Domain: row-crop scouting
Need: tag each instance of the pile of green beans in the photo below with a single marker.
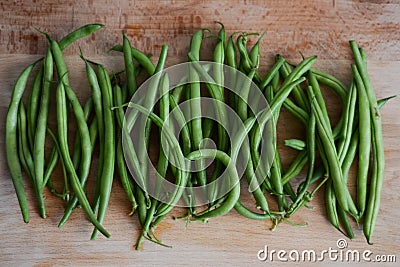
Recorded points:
(324, 157)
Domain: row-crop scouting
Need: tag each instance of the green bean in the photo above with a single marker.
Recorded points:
(272, 72)
(302, 68)
(120, 161)
(129, 66)
(231, 61)
(269, 93)
(255, 156)
(242, 210)
(276, 167)
(254, 54)
(162, 164)
(119, 98)
(142, 58)
(303, 187)
(276, 182)
(242, 100)
(295, 144)
(330, 198)
(295, 110)
(76, 158)
(54, 156)
(195, 105)
(363, 56)
(148, 103)
(276, 170)
(307, 196)
(331, 207)
(318, 96)
(213, 91)
(258, 194)
(182, 178)
(63, 44)
(222, 34)
(107, 172)
(63, 140)
(275, 106)
(219, 58)
(325, 133)
(233, 195)
(180, 118)
(383, 101)
(345, 165)
(65, 194)
(177, 92)
(290, 105)
(195, 43)
(132, 160)
(38, 121)
(97, 103)
(275, 81)
(124, 176)
(147, 222)
(365, 143)
(351, 153)
(186, 145)
(296, 167)
(245, 63)
(208, 127)
(298, 94)
(289, 191)
(33, 106)
(216, 94)
(150, 95)
(98, 108)
(77, 109)
(142, 205)
(78, 34)
(93, 132)
(343, 146)
(12, 140)
(378, 165)
(314, 83)
(348, 123)
(338, 87)
(40, 133)
(63, 132)
(137, 162)
(27, 155)
(345, 222)
(230, 163)
(230, 53)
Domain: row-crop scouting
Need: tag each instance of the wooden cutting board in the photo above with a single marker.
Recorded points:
(322, 28)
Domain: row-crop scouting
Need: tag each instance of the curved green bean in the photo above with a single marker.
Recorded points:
(12, 140)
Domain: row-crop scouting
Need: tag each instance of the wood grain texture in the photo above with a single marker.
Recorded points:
(312, 27)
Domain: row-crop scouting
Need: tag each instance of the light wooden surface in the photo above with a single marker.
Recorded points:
(312, 27)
